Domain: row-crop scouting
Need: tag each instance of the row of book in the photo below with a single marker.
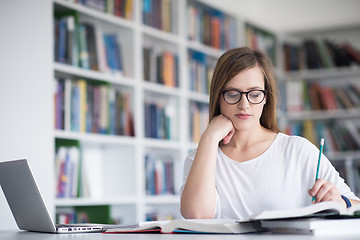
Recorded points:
(77, 170)
(118, 8)
(161, 66)
(161, 120)
(199, 118)
(83, 106)
(318, 54)
(302, 96)
(159, 172)
(82, 45)
(67, 166)
(258, 38)
(156, 216)
(340, 135)
(160, 14)
(84, 214)
(211, 27)
(201, 70)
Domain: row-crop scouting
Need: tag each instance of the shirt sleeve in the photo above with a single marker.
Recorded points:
(187, 166)
(330, 174)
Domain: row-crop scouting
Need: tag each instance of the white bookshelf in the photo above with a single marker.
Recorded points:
(123, 155)
(335, 77)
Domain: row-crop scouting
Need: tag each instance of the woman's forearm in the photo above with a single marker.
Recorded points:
(198, 198)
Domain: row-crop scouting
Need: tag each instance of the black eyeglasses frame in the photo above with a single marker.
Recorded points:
(241, 93)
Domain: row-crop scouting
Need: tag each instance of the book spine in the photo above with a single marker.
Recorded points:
(341, 135)
(159, 171)
(319, 54)
(210, 27)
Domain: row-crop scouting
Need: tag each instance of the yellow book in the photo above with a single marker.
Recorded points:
(309, 131)
(129, 9)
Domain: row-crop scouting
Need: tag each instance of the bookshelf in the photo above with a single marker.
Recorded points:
(136, 72)
(320, 96)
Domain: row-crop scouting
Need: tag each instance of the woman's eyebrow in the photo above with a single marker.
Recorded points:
(251, 88)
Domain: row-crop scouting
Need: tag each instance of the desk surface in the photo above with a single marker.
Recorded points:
(23, 235)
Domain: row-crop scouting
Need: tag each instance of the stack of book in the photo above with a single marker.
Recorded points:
(261, 39)
(341, 135)
(83, 106)
(159, 175)
(325, 218)
(118, 8)
(161, 120)
(159, 14)
(322, 218)
(201, 69)
(318, 54)
(211, 27)
(199, 118)
(315, 96)
(82, 45)
(68, 168)
(160, 67)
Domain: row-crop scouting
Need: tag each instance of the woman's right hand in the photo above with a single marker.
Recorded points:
(220, 128)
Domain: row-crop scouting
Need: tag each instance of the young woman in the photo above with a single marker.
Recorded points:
(243, 164)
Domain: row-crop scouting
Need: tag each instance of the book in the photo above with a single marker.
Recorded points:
(191, 226)
(314, 226)
(314, 210)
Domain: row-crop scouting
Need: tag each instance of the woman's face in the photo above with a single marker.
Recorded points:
(244, 115)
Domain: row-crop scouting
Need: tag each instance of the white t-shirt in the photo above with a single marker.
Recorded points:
(277, 179)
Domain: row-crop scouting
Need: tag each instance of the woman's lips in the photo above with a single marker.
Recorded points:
(243, 116)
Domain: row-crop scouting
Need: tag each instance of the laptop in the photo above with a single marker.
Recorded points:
(27, 204)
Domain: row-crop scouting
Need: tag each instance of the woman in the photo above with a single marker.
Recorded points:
(243, 164)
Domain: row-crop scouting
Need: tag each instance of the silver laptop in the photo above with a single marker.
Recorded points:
(27, 204)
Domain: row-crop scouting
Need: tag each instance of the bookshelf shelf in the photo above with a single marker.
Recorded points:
(93, 202)
(96, 138)
(340, 156)
(161, 89)
(323, 73)
(171, 199)
(162, 144)
(324, 115)
(65, 70)
(157, 33)
(199, 97)
(205, 49)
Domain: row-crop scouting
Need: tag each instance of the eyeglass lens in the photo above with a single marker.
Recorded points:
(253, 96)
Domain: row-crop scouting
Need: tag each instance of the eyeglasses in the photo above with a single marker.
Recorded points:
(253, 96)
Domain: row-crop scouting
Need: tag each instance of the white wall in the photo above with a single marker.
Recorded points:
(26, 93)
(284, 15)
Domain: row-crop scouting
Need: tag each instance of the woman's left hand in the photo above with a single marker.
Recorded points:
(325, 191)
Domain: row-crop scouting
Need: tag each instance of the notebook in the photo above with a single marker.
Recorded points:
(27, 205)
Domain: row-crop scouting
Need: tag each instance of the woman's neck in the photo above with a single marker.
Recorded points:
(242, 139)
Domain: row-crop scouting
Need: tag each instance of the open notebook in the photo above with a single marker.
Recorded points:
(27, 204)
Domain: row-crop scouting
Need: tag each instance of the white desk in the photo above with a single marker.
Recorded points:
(23, 235)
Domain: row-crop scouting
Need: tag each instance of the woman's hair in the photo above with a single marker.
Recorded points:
(233, 62)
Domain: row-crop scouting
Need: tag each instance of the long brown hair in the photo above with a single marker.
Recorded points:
(233, 62)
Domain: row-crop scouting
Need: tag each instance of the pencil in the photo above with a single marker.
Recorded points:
(322, 141)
